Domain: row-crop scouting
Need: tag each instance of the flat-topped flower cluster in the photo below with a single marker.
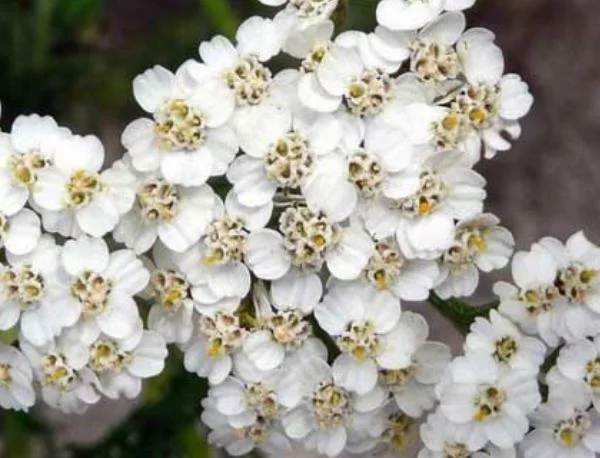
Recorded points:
(256, 209)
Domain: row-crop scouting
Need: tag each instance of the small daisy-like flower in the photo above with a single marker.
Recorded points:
(187, 138)
(563, 429)
(578, 371)
(359, 171)
(367, 328)
(16, 376)
(494, 404)
(215, 339)
(274, 334)
(20, 232)
(29, 147)
(60, 369)
(171, 313)
(305, 242)
(325, 411)
(74, 197)
(280, 154)
(414, 14)
(428, 198)
(408, 279)
(238, 440)
(412, 386)
(500, 338)
(534, 303)
(100, 286)
(31, 288)
(479, 244)
(313, 10)
(175, 215)
(120, 366)
(445, 439)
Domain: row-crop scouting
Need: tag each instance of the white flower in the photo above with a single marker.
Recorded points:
(275, 334)
(428, 197)
(29, 147)
(494, 404)
(215, 340)
(326, 411)
(479, 244)
(175, 215)
(16, 389)
(408, 279)
(20, 232)
(305, 242)
(445, 439)
(121, 365)
(501, 339)
(74, 197)
(533, 303)
(31, 287)
(366, 326)
(309, 11)
(262, 433)
(414, 14)
(60, 368)
(412, 386)
(563, 429)
(280, 153)
(360, 170)
(100, 287)
(579, 367)
(171, 314)
(187, 139)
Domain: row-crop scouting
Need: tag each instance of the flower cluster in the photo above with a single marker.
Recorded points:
(274, 221)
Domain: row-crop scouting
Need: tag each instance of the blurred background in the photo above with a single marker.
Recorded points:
(75, 59)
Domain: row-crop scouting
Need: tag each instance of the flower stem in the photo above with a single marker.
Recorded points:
(459, 313)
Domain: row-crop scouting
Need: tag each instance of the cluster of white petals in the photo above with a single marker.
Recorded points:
(272, 222)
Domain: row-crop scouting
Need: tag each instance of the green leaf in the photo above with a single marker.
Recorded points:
(192, 444)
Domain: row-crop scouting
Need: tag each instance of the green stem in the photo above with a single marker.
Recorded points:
(459, 313)
(221, 14)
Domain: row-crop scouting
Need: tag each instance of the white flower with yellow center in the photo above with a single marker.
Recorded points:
(74, 197)
(414, 14)
(187, 139)
(263, 434)
(100, 286)
(177, 216)
(215, 339)
(20, 232)
(60, 368)
(361, 170)
(563, 429)
(30, 286)
(305, 242)
(535, 303)
(324, 412)
(445, 439)
(429, 196)
(171, 313)
(412, 386)
(389, 270)
(16, 376)
(370, 333)
(29, 148)
(479, 244)
(493, 403)
(281, 150)
(308, 10)
(121, 365)
(577, 282)
(578, 374)
(500, 338)
(275, 333)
